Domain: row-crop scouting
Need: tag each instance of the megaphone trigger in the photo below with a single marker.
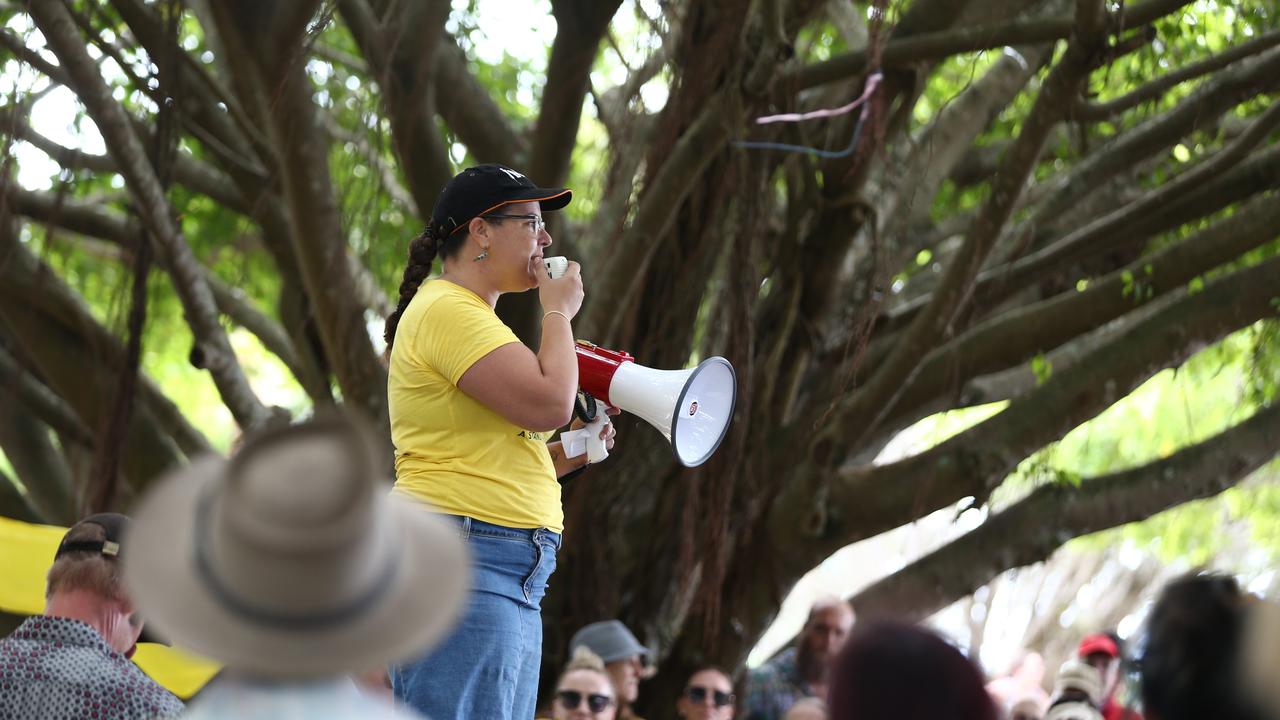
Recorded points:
(587, 439)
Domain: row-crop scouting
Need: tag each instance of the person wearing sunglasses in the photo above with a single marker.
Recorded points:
(472, 410)
(584, 691)
(707, 696)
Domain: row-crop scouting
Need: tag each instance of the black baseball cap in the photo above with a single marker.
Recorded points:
(482, 189)
(114, 526)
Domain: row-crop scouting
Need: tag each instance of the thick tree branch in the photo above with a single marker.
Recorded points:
(1200, 109)
(80, 360)
(42, 402)
(1097, 111)
(43, 470)
(400, 43)
(319, 242)
(580, 26)
(866, 501)
(25, 54)
(939, 45)
(13, 504)
(94, 221)
(373, 155)
(1094, 235)
(187, 171)
(471, 113)
(625, 268)
(1060, 89)
(209, 112)
(1031, 529)
(944, 142)
(197, 300)
(1016, 335)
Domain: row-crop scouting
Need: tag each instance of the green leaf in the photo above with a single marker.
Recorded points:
(1042, 368)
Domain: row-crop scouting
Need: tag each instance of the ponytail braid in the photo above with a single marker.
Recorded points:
(421, 254)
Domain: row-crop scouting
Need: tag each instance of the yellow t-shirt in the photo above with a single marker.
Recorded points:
(451, 450)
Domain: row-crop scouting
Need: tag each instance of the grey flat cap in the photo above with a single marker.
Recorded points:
(609, 639)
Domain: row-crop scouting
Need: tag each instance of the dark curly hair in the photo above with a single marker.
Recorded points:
(892, 670)
(1192, 663)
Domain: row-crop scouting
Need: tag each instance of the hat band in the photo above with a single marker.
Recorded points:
(259, 615)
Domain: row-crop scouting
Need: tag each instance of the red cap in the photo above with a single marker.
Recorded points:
(1098, 643)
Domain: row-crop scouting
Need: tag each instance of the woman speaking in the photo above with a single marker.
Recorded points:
(471, 411)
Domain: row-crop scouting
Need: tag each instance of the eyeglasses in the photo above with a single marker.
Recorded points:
(699, 695)
(534, 221)
(595, 703)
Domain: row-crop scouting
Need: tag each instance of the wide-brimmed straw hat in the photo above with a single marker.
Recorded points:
(291, 560)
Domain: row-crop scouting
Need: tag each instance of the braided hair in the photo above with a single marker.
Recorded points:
(423, 249)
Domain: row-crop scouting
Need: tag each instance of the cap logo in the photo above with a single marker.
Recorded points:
(512, 174)
(111, 548)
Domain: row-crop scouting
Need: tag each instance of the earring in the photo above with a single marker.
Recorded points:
(481, 256)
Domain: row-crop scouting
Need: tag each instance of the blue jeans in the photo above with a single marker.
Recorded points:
(488, 666)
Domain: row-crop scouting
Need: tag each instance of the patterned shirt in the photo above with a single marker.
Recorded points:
(53, 667)
(774, 687)
(322, 700)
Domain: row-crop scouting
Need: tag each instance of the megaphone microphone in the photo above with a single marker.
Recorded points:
(691, 408)
(556, 265)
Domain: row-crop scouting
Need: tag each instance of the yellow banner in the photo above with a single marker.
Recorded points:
(26, 552)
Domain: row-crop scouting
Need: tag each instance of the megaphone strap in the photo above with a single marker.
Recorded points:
(585, 406)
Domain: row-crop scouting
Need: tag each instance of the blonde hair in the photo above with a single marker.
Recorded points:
(90, 572)
(584, 659)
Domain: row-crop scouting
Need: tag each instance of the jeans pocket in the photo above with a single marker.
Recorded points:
(535, 584)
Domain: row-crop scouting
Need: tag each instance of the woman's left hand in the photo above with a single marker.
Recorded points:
(607, 433)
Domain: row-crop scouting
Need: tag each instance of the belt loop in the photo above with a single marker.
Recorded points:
(465, 531)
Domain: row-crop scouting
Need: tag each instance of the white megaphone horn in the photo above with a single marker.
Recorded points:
(691, 408)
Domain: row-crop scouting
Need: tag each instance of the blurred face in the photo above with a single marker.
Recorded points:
(826, 631)
(626, 678)
(515, 244)
(1108, 668)
(585, 695)
(707, 696)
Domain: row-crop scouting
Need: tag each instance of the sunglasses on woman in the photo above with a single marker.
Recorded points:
(571, 698)
(699, 695)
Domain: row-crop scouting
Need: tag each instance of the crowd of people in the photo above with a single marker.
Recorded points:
(325, 596)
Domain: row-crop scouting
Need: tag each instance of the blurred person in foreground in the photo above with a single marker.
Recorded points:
(1196, 663)
(1105, 653)
(807, 709)
(1077, 693)
(1027, 708)
(585, 690)
(73, 661)
(292, 565)
(800, 671)
(708, 695)
(1022, 683)
(625, 659)
(904, 672)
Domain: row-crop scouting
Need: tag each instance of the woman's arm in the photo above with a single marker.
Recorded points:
(535, 392)
(564, 465)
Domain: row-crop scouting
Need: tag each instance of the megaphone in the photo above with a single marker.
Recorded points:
(691, 408)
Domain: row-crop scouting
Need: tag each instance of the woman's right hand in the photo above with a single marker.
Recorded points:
(563, 294)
